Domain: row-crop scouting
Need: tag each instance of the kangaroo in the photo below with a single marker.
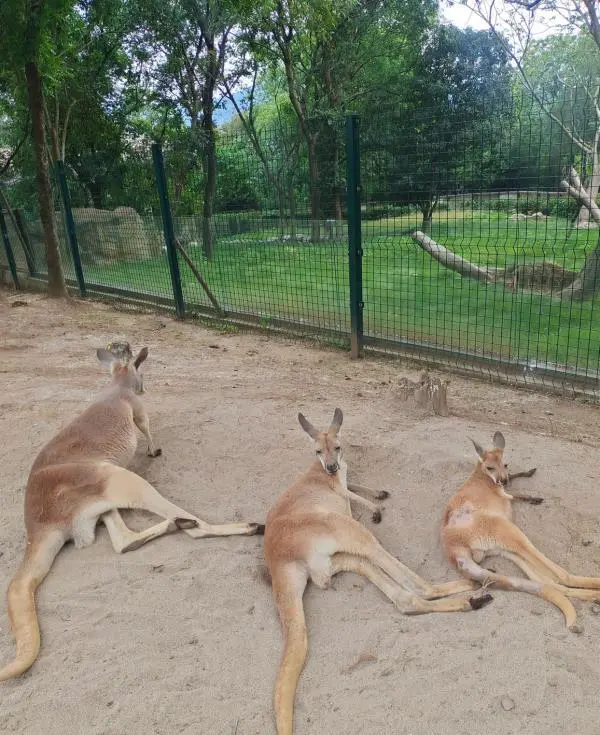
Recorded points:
(477, 524)
(310, 534)
(80, 477)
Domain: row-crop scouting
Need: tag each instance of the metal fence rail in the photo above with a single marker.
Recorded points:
(333, 252)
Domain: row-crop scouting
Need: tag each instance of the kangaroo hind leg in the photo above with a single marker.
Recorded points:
(124, 539)
(407, 603)
(125, 489)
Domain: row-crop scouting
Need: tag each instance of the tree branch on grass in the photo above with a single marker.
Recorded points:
(543, 276)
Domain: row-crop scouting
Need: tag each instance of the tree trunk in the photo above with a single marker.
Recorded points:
(427, 212)
(299, 107)
(337, 189)
(337, 192)
(337, 205)
(584, 218)
(292, 207)
(333, 97)
(95, 190)
(313, 187)
(209, 150)
(56, 279)
(426, 223)
(587, 283)
(210, 189)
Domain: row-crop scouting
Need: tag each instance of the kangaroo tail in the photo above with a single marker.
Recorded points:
(289, 583)
(33, 569)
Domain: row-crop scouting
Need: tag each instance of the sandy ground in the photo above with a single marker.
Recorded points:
(181, 635)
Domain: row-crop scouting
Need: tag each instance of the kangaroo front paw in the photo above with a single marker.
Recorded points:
(376, 517)
(155, 453)
(382, 495)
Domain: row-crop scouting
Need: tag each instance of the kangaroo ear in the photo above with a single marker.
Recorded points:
(478, 448)
(338, 417)
(142, 355)
(307, 426)
(105, 357)
(499, 442)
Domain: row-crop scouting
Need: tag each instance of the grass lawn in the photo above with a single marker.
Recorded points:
(407, 294)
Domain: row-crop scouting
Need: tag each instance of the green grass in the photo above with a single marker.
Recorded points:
(407, 294)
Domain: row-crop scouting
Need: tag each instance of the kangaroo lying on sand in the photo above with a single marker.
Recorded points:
(78, 478)
(477, 523)
(310, 534)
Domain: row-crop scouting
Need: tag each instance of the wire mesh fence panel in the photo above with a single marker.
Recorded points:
(22, 197)
(119, 229)
(15, 238)
(261, 247)
(488, 281)
(474, 250)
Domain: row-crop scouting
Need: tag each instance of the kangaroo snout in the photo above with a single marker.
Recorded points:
(332, 468)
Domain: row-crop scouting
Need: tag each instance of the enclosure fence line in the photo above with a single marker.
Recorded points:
(490, 282)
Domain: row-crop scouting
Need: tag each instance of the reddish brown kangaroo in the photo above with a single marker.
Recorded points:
(78, 478)
(477, 523)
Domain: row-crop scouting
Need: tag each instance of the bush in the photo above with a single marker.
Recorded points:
(558, 206)
(563, 207)
(380, 210)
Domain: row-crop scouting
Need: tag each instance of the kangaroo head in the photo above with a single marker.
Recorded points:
(327, 443)
(491, 461)
(118, 358)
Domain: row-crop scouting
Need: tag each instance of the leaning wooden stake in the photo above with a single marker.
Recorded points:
(199, 278)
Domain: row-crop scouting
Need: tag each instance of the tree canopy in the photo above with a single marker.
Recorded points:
(95, 82)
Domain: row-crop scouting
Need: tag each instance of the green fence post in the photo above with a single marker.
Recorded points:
(354, 235)
(65, 196)
(165, 210)
(9, 251)
(26, 242)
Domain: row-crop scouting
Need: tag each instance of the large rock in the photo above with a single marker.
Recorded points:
(115, 236)
(105, 236)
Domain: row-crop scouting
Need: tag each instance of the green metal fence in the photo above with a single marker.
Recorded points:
(326, 244)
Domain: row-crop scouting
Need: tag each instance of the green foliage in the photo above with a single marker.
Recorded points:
(437, 114)
(237, 177)
(449, 134)
(526, 203)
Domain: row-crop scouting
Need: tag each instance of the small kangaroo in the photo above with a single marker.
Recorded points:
(477, 524)
(310, 534)
(80, 477)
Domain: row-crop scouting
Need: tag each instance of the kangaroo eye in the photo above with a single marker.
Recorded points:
(505, 466)
(337, 449)
(319, 451)
(490, 469)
